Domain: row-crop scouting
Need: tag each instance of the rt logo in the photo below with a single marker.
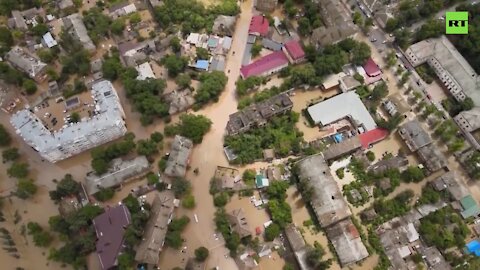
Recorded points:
(457, 23)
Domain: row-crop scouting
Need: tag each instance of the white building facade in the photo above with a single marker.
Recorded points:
(106, 124)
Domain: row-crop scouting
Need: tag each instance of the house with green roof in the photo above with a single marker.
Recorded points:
(470, 207)
(261, 181)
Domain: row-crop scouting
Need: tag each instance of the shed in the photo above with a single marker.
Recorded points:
(268, 155)
(261, 181)
(469, 206)
(202, 65)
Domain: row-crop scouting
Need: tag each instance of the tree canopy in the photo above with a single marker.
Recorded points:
(190, 126)
(211, 86)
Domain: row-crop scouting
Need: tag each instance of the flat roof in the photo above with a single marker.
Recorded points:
(144, 71)
(340, 106)
(372, 136)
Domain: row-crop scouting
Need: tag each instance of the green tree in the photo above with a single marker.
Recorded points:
(10, 154)
(256, 49)
(112, 68)
(202, 54)
(188, 201)
(117, 26)
(357, 18)
(30, 86)
(147, 147)
(175, 44)
(5, 138)
(104, 194)
(174, 64)
(360, 53)
(126, 261)
(277, 190)
(248, 177)
(6, 39)
(201, 254)
(180, 186)
(46, 55)
(18, 170)
(280, 212)
(156, 137)
(412, 173)
(191, 126)
(41, 238)
(40, 29)
(272, 232)
(221, 199)
(25, 189)
(370, 155)
(135, 18)
(75, 117)
(211, 85)
(183, 80)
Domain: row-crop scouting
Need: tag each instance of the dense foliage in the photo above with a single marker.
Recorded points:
(211, 86)
(190, 126)
(102, 156)
(41, 238)
(444, 228)
(174, 238)
(66, 187)
(469, 45)
(280, 134)
(232, 239)
(191, 15)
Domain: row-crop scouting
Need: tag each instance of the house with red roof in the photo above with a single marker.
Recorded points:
(373, 136)
(258, 26)
(265, 66)
(370, 72)
(294, 51)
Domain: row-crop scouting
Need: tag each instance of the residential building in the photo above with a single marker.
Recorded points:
(265, 66)
(397, 236)
(120, 171)
(135, 53)
(64, 4)
(179, 100)
(145, 71)
(452, 184)
(469, 123)
(266, 5)
(346, 240)
(470, 207)
(342, 148)
(121, 9)
(258, 114)
(414, 135)
(323, 36)
(298, 246)
(105, 124)
(434, 258)
(26, 62)
(238, 222)
(396, 162)
(18, 22)
(110, 228)
(161, 213)
(48, 40)
(344, 106)
(327, 200)
(432, 157)
(449, 65)
(258, 26)
(371, 68)
(371, 137)
(294, 51)
(179, 157)
(390, 107)
(224, 25)
(75, 27)
(271, 44)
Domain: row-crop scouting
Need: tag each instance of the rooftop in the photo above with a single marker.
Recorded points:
(110, 227)
(258, 25)
(391, 163)
(257, 114)
(294, 49)
(119, 172)
(264, 64)
(414, 135)
(344, 105)
(74, 25)
(324, 36)
(25, 61)
(105, 124)
(145, 71)
(327, 201)
(432, 157)
(452, 62)
(371, 68)
(238, 222)
(372, 136)
(298, 245)
(179, 155)
(347, 242)
(153, 239)
(342, 148)
(470, 207)
(224, 25)
(452, 183)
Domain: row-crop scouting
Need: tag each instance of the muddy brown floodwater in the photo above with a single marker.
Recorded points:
(206, 157)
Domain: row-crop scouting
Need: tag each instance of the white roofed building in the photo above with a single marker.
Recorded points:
(145, 71)
(105, 124)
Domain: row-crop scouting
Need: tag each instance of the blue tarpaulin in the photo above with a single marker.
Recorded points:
(202, 64)
(474, 247)
(338, 137)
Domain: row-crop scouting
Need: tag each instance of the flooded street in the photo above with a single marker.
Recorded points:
(207, 156)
